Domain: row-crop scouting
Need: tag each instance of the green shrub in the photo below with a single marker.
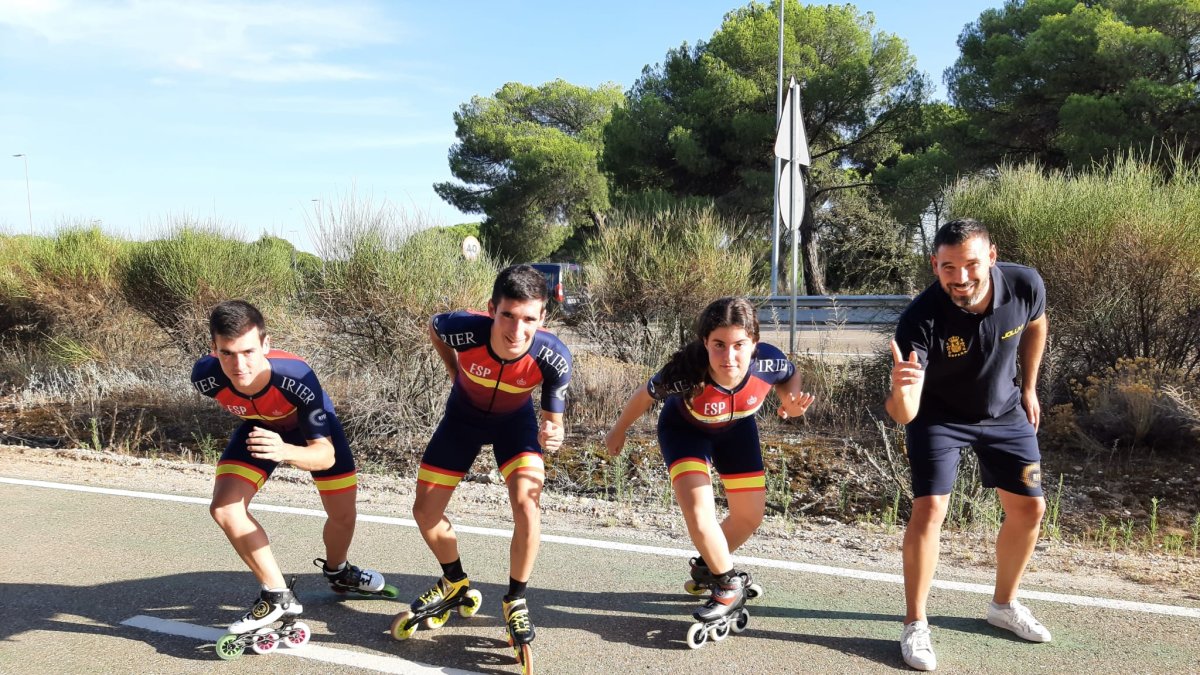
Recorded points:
(17, 311)
(1119, 248)
(176, 280)
(63, 292)
(79, 255)
(650, 275)
(384, 275)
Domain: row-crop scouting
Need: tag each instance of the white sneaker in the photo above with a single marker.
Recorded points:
(917, 647)
(1019, 620)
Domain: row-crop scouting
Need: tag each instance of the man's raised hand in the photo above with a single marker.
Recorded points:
(905, 373)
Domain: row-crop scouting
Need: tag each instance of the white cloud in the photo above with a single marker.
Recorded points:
(260, 42)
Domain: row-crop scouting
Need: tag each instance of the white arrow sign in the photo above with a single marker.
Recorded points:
(783, 137)
(786, 194)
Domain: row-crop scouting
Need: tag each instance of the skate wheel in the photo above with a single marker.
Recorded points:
(754, 590)
(720, 631)
(403, 626)
(228, 648)
(524, 655)
(390, 591)
(436, 621)
(696, 636)
(693, 588)
(743, 620)
(298, 636)
(471, 604)
(266, 640)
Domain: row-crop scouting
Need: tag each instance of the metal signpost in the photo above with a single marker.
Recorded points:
(791, 146)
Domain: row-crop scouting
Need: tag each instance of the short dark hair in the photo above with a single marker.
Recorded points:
(232, 318)
(519, 282)
(959, 231)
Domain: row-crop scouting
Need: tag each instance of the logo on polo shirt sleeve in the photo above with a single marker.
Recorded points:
(955, 346)
(1012, 332)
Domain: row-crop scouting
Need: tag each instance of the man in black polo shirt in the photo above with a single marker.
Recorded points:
(958, 387)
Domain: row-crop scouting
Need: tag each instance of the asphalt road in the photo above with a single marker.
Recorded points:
(77, 565)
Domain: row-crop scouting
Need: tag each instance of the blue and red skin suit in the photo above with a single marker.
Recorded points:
(293, 405)
(491, 401)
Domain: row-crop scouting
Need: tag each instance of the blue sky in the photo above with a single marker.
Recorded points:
(139, 113)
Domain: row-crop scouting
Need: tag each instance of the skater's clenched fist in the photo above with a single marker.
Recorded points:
(614, 440)
(266, 444)
(550, 436)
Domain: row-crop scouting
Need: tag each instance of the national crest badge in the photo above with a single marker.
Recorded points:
(955, 346)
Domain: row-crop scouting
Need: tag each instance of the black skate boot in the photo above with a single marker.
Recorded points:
(354, 579)
(724, 612)
(520, 632)
(703, 581)
(432, 608)
(728, 596)
(270, 606)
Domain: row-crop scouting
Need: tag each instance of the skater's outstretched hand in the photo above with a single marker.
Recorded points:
(794, 405)
(550, 436)
(266, 444)
(614, 440)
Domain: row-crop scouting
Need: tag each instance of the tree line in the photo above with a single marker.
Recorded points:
(1058, 83)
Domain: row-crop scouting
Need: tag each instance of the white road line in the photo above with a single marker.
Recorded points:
(1082, 600)
(313, 652)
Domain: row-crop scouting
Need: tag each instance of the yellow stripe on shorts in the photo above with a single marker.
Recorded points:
(244, 471)
(526, 461)
(743, 482)
(689, 465)
(438, 478)
(336, 483)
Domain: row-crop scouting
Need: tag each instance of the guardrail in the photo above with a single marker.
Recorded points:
(865, 310)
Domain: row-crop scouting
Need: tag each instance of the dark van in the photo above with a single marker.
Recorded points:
(564, 281)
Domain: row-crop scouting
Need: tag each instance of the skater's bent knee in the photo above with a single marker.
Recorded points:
(749, 520)
(229, 515)
(527, 510)
(344, 520)
(426, 516)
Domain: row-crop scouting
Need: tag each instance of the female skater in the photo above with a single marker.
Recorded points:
(713, 386)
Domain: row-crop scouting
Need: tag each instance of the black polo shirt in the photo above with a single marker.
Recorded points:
(970, 360)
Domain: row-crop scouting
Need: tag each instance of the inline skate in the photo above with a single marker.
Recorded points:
(725, 611)
(432, 609)
(254, 629)
(353, 579)
(703, 581)
(520, 633)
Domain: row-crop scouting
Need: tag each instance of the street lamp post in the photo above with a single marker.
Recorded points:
(28, 201)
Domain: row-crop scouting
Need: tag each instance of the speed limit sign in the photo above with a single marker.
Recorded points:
(471, 248)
